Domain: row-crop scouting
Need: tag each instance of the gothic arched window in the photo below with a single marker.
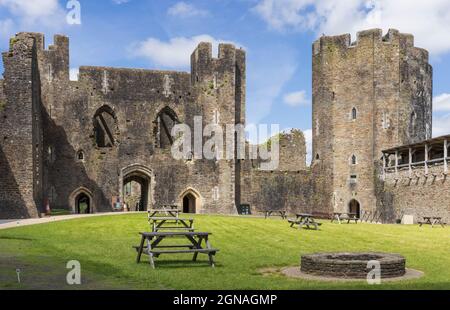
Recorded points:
(105, 127)
(165, 122)
(353, 160)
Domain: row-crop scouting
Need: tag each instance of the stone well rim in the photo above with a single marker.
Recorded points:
(378, 256)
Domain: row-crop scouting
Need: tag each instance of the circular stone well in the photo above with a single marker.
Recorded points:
(352, 265)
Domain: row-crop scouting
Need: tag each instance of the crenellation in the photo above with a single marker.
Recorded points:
(365, 38)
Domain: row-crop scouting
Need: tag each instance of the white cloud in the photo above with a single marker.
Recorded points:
(441, 125)
(172, 54)
(37, 14)
(183, 9)
(31, 9)
(441, 102)
(121, 1)
(429, 21)
(74, 74)
(296, 99)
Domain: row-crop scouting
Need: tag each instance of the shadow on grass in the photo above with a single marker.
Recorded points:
(16, 238)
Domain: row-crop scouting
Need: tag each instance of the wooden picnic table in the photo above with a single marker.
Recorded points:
(163, 212)
(172, 223)
(281, 213)
(305, 219)
(339, 216)
(432, 220)
(151, 245)
(172, 207)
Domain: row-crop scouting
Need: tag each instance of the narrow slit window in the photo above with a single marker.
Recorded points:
(354, 114)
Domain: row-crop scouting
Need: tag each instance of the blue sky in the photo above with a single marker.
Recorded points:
(277, 35)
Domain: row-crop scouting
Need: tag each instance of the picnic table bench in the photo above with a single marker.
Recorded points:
(339, 216)
(281, 213)
(163, 212)
(171, 207)
(304, 219)
(432, 220)
(151, 245)
(172, 223)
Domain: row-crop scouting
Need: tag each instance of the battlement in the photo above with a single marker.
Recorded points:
(59, 41)
(204, 64)
(204, 52)
(371, 36)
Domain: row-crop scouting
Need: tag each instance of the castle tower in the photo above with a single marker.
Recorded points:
(21, 143)
(367, 96)
(219, 84)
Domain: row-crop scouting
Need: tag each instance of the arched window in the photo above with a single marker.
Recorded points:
(354, 113)
(353, 160)
(165, 122)
(105, 127)
(317, 156)
(80, 155)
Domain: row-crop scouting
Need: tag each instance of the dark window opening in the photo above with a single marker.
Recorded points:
(80, 155)
(166, 120)
(105, 127)
(354, 113)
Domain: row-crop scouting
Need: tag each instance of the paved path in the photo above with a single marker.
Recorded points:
(5, 224)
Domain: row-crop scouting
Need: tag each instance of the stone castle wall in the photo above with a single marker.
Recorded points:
(49, 149)
(50, 122)
(420, 195)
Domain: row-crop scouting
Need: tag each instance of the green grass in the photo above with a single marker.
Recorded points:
(103, 246)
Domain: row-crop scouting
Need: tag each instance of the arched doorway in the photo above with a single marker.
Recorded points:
(136, 188)
(81, 201)
(82, 204)
(191, 201)
(189, 204)
(354, 207)
(136, 192)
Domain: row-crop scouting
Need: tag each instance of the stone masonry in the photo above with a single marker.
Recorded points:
(64, 142)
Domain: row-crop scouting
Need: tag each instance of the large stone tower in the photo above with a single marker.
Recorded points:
(368, 95)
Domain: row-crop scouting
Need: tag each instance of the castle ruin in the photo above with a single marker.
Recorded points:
(95, 141)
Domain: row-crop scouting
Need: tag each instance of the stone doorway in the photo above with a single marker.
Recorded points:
(189, 204)
(355, 207)
(83, 204)
(136, 187)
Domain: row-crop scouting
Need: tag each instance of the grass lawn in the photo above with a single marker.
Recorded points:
(103, 247)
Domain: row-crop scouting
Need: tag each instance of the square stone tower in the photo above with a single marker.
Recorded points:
(368, 95)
